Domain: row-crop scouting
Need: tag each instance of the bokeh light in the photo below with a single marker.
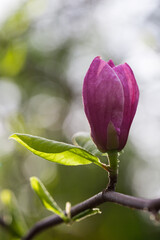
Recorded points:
(46, 48)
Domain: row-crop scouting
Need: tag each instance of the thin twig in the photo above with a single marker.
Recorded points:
(112, 181)
(113, 170)
(152, 206)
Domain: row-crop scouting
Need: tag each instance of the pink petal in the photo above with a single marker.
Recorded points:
(131, 96)
(103, 99)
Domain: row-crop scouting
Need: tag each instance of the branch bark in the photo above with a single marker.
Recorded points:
(150, 205)
(6, 226)
(3, 224)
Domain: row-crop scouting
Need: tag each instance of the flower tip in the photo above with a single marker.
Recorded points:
(127, 65)
(111, 63)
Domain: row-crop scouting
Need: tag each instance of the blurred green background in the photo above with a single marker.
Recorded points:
(45, 50)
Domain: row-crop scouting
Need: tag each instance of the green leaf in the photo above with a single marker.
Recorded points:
(85, 214)
(56, 151)
(83, 139)
(12, 213)
(46, 198)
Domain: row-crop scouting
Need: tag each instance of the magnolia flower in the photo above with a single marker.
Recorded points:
(110, 97)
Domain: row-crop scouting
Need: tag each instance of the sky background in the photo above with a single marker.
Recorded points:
(129, 33)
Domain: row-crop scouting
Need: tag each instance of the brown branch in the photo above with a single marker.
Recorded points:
(6, 226)
(3, 224)
(151, 206)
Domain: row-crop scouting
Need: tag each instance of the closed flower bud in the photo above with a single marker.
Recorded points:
(110, 97)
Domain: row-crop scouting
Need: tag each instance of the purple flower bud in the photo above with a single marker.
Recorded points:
(110, 97)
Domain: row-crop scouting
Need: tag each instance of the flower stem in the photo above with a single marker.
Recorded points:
(113, 170)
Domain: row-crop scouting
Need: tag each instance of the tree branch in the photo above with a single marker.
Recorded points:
(5, 226)
(150, 205)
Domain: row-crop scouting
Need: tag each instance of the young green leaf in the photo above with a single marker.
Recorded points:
(46, 198)
(68, 210)
(83, 139)
(85, 214)
(54, 151)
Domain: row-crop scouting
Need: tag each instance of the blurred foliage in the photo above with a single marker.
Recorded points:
(37, 94)
(12, 214)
